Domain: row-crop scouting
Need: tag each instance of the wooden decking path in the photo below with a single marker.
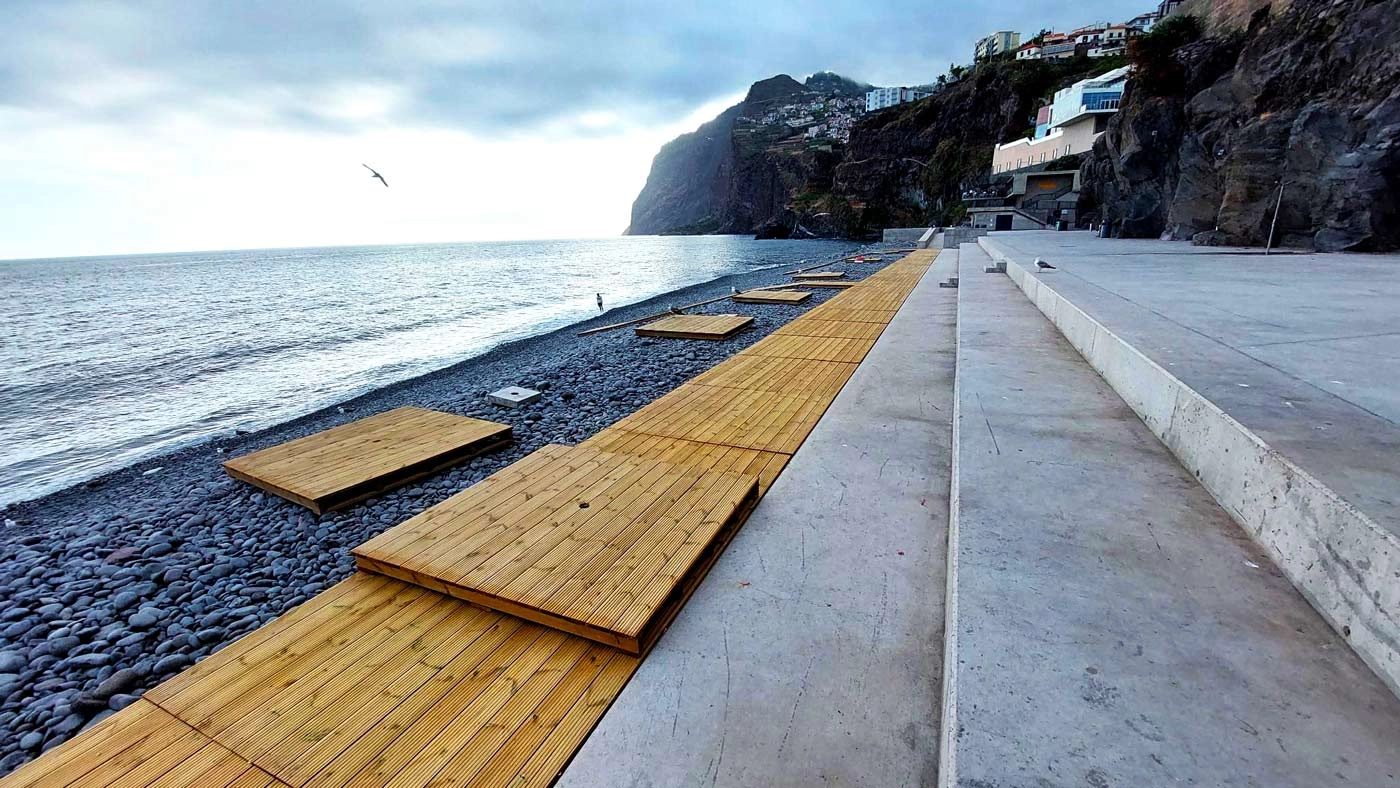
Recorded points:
(695, 326)
(346, 464)
(771, 297)
(593, 543)
(378, 681)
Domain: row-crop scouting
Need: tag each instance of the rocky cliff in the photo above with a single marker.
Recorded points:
(1304, 101)
(742, 169)
(908, 165)
(903, 166)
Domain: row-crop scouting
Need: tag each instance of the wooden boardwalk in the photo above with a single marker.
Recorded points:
(695, 326)
(771, 297)
(378, 681)
(597, 544)
(346, 464)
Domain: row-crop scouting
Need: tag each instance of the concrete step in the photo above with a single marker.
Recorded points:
(1110, 624)
(1273, 379)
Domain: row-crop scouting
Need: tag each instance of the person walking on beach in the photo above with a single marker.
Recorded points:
(600, 302)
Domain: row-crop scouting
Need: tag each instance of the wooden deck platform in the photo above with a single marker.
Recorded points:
(771, 297)
(816, 327)
(374, 682)
(382, 682)
(695, 327)
(818, 275)
(597, 544)
(738, 417)
(842, 349)
(143, 745)
(347, 464)
(828, 284)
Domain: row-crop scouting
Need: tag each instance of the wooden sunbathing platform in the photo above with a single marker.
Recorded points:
(696, 326)
(771, 297)
(378, 681)
(819, 275)
(347, 464)
(828, 283)
(597, 544)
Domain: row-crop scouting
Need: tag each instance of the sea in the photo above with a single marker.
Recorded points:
(106, 361)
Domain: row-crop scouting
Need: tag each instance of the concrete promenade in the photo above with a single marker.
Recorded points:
(1272, 379)
(811, 654)
(1115, 626)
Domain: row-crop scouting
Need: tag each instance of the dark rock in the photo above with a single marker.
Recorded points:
(120, 682)
(1307, 96)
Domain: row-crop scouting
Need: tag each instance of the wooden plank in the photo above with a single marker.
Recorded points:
(850, 351)
(829, 284)
(732, 417)
(779, 375)
(818, 276)
(713, 327)
(834, 311)
(772, 297)
(141, 745)
(812, 327)
(539, 546)
(347, 464)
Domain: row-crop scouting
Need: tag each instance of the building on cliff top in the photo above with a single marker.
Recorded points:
(995, 44)
(880, 98)
(1069, 125)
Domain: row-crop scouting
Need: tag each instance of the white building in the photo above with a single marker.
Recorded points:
(995, 44)
(879, 98)
(1077, 117)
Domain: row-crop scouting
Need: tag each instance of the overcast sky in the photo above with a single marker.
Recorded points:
(185, 125)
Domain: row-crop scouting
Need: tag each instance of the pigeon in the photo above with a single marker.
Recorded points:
(734, 291)
(1044, 266)
(374, 174)
(600, 302)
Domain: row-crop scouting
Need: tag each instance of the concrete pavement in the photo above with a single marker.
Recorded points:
(1218, 352)
(1115, 626)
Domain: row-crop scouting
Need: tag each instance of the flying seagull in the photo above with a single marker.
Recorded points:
(1042, 265)
(374, 174)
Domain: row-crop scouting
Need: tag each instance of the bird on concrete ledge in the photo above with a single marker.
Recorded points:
(1044, 266)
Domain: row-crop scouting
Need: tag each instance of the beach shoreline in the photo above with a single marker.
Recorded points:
(122, 581)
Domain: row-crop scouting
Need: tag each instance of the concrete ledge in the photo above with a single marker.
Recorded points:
(954, 237)
(1342, 561)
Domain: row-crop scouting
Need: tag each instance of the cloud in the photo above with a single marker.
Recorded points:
(178, 123)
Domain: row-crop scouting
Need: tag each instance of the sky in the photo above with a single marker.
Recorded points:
(158, 126)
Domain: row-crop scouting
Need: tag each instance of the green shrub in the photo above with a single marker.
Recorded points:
(1155, 67)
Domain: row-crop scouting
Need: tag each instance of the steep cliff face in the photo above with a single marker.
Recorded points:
(689, 177)
(741, 170)
(1306, 96)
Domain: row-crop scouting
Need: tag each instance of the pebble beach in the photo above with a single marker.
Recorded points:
(114, 585)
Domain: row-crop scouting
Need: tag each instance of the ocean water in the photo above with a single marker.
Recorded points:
(105, 361)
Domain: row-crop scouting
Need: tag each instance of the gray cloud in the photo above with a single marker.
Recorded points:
(489, 66)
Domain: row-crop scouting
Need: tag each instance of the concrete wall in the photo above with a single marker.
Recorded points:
(1337, 556)
(953, 237)
(1077, 137)
(986, 219)
(896, 235)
